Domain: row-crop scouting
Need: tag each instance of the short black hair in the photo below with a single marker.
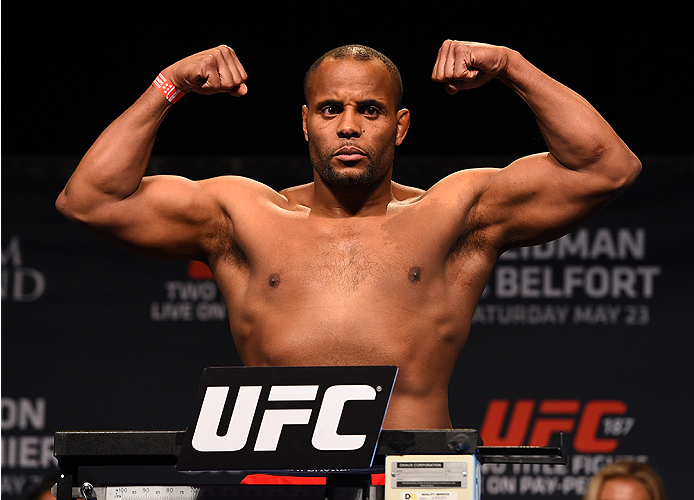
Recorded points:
(358, 53)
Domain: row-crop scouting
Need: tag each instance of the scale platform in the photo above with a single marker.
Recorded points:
(310, 421)
(76, 450)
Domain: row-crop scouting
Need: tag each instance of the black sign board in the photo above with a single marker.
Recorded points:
(287, 418)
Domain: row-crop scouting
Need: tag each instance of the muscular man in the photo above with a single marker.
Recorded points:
(353, 268)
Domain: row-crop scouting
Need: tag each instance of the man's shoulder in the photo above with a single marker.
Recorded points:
(232, 182)
(237, 193)
(468, 181)
(227, 186)
(404, 193)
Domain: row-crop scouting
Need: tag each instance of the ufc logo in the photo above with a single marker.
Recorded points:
(553, 416)
(325, 436)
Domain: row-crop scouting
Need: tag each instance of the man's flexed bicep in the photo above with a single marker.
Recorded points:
(541, 197)
(535, 199)
(162, 216)
(166, 217)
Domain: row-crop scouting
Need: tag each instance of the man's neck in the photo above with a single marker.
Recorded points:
(351, 201)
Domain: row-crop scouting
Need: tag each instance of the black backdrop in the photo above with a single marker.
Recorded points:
(590, 334)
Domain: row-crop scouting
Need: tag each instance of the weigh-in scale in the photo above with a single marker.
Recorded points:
(418, 464)
(458, 449)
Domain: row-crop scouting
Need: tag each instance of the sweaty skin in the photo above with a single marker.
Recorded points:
(354, 268)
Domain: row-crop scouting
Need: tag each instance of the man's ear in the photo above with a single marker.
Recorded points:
(403, 117)
(304, 116)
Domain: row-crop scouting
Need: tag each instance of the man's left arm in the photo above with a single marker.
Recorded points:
(543, 196)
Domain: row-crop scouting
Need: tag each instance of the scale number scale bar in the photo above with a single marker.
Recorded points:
(218, 492)
(152, 492)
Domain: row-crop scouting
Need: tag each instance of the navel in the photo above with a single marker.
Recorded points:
(415, 274)
(274, 280)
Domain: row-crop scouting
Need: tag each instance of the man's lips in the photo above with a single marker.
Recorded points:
(349, 154)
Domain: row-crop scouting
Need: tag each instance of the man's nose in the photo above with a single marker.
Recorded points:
(349, 124)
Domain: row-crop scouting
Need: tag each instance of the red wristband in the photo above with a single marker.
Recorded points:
(167, 89)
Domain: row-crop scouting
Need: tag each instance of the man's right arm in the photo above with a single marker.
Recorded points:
(162, 216)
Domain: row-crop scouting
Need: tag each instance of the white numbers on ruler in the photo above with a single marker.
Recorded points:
(151, 492)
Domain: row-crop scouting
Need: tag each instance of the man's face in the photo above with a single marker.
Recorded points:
(351, 122)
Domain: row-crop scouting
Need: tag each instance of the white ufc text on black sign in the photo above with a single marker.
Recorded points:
(290, 418)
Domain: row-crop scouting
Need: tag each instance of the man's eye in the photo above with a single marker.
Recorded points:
(371, 111)
(330, 110)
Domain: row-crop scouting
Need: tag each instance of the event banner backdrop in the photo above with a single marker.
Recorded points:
(589, 335)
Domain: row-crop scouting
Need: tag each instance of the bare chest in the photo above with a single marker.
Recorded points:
(345, 255)
(341, 290)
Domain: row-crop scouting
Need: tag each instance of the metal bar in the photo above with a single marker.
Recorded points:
(163, 447)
